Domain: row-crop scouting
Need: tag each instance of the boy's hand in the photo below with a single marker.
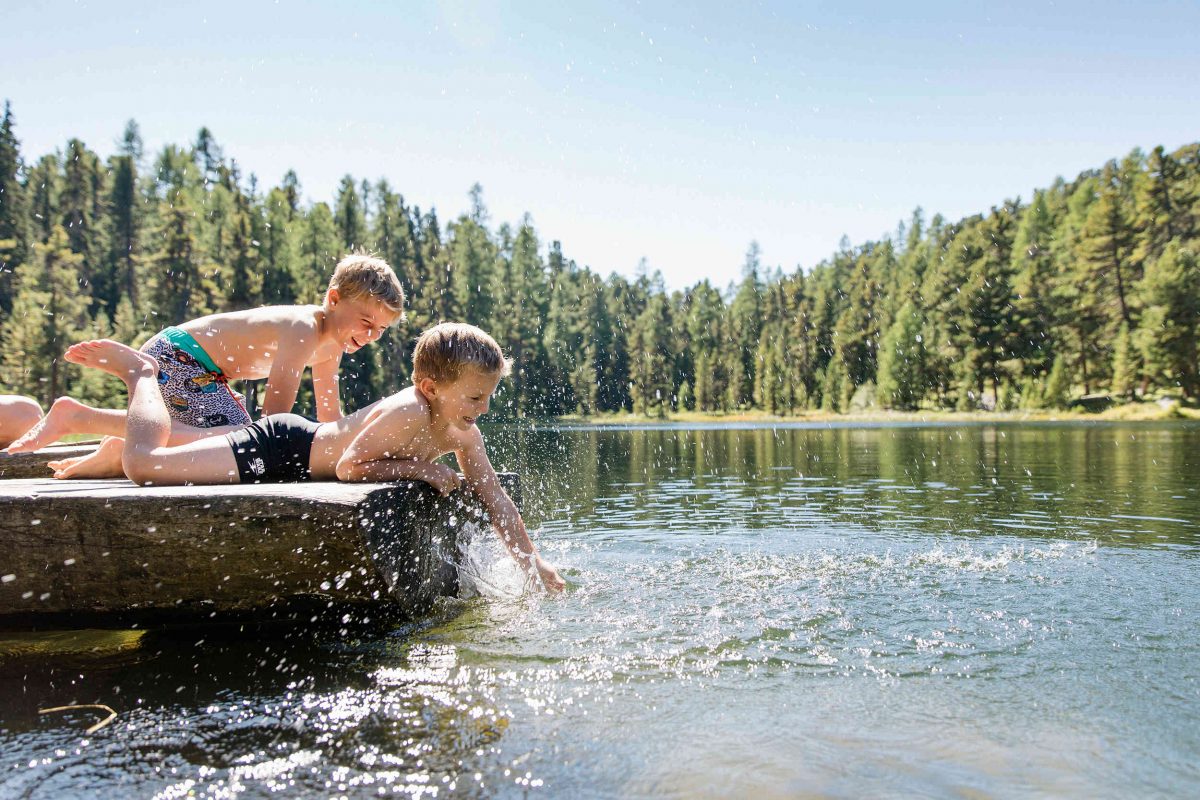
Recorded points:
(442, 478)
(549, 575)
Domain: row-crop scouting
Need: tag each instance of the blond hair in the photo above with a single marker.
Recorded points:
(360, 274)
(444, 351)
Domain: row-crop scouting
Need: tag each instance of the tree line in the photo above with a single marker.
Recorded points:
(1093, 286)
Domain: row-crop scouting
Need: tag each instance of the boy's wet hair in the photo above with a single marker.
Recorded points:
(444, 351)
(361, 274)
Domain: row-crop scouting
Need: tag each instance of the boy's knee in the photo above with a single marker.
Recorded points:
(139, 470)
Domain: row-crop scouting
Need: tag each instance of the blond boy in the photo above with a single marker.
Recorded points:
(456, 369)
(198, 359)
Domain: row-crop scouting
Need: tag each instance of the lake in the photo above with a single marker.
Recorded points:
(798, 611)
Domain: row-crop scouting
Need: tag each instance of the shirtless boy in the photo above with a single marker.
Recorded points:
(198, 359)
(456, 369)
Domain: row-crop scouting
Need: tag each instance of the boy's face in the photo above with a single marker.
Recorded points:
(355, 322)
(465, 400)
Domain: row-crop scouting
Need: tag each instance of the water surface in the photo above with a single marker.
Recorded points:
(950, 611)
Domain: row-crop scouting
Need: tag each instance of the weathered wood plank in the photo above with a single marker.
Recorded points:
(76, 550)
(33, 465)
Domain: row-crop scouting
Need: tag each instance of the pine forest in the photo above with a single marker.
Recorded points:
(1091, 286)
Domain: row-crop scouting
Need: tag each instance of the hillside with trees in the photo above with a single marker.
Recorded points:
(1092, 286)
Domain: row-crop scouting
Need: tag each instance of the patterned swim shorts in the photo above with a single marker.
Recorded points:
(195, 389)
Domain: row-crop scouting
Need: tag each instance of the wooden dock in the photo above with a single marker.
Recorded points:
(103, 552)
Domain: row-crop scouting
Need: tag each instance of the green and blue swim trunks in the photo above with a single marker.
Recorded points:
(195, 389)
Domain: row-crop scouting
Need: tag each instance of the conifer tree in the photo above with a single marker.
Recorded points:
(177, 286)
(987, 297)
(650, 355)
(745, 325)
(1171, 323)
(349, 214)
(208, 157)
(474, 257)
(42, 190)
(1124, 366)
(901, 379)
(834, 386)
(125, 220)
(49, 311)
(279, 251)
(14, 232)
(1163, 203)
(1033, 311)
(1058, 385)
(320, 250)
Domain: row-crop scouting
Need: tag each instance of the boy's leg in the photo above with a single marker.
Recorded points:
(17, 415)
(68, 416)
(105, 462)
(147, 459)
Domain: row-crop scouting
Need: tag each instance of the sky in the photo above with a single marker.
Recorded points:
(677, 133)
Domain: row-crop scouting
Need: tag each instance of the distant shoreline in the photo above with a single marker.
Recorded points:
(1131, 412)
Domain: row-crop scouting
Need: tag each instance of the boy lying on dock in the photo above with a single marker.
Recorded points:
(456, 369)
(197, 360)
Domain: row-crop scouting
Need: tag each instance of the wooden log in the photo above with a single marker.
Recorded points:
(79, 553)
(33, 465)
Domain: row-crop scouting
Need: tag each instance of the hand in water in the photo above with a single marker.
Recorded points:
(549, 575)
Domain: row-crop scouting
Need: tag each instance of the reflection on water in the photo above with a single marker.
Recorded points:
(948, 611)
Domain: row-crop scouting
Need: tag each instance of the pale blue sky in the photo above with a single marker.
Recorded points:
(674, 132)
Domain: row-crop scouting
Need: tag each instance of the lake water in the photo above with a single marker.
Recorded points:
(955, 611)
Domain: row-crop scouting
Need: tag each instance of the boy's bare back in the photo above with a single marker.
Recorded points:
(246, 344)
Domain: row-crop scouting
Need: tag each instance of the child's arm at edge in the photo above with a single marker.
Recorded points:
(506, 519)
(374, 455)
(326, 389)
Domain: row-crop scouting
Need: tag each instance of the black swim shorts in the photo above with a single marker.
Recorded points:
(274, 450)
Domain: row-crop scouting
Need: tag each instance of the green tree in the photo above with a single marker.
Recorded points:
(1033, 307)
(1057, 393)
(49, 311)
(125, 221)
(14, 232)
(650, 355)
(279, 251)
(177, 286)
(901, 379)
(473, 255)
(320, 250)
(1124, 366)
(1171, 323)
(987, 298)
(349, 214)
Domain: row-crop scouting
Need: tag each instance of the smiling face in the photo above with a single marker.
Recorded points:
(461, 402)
(355, 322)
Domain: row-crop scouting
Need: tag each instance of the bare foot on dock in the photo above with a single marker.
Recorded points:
(58, 422)
(104, 462)
(113, 357)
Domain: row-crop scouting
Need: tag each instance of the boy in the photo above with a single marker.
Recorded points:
(456, 369)
(198, 358)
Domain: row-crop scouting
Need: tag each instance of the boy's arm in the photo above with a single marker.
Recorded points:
(506, 519)
(377, 453)
(283, 382)
(326, 389)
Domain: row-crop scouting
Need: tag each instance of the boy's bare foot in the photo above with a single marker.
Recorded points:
(105, 462)
(113, 357)
(59, 421)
